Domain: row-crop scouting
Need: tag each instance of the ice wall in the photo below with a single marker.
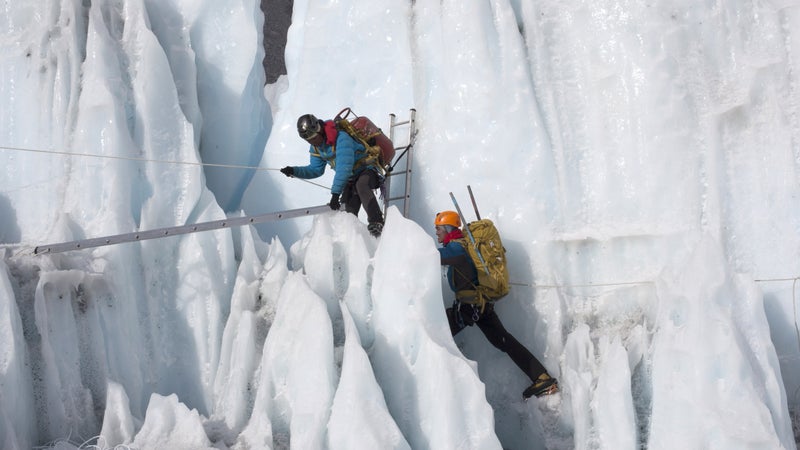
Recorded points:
(640, 160)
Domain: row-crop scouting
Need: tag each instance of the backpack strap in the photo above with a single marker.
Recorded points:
(331, 162)
(472, 297)
(372, 152)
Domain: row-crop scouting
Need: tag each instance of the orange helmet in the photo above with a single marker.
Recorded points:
(447, 218)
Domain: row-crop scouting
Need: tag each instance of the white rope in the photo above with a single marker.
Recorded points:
(562, 286)
(160, 161)
(629, 283)
(130, 158)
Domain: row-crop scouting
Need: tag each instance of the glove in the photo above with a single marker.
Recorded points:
(334, 204)
(288, 171)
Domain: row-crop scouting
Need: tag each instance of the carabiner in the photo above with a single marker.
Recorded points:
(459, 318)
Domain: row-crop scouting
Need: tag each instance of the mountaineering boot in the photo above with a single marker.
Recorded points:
(544, 385)
(375, 228)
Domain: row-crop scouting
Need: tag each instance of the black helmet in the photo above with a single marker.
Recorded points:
(308, 126)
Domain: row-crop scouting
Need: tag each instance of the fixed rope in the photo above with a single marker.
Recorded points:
(562, 286)
(131, 158)
(148, 160)
(626, 283)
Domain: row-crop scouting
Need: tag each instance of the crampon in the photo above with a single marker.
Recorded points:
(541, 388)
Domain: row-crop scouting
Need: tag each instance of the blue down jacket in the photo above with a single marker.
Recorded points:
(461, 272)
(342, 157)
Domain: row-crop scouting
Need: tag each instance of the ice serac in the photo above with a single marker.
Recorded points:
(119, 426)
(243, 334)
(709, 355)
(393, 393)
(252, 315)
(116, 326)
(423, 375)
(359, 415)
(40, 80)
(64, 394)
(613, 407)
(217, 47)
(17, 422)
(147, 122)
(297, 374)
(170, 424)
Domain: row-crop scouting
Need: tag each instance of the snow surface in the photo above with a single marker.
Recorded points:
(640, 159)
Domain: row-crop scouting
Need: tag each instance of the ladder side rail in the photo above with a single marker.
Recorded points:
(412, 134)
(388, 180)
(407, 150)
(177, 230)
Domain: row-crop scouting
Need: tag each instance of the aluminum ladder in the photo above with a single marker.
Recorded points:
(407, 151)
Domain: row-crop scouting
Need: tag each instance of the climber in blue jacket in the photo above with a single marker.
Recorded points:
(355, 179)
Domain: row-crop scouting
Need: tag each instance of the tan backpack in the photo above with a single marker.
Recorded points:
(489, 256)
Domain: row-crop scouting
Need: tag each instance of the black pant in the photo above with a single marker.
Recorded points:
(493, 329)
(360, 191)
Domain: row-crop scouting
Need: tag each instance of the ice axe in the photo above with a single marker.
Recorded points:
(466, 227)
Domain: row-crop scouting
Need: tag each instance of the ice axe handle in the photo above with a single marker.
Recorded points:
(474, 205)
(469, 233)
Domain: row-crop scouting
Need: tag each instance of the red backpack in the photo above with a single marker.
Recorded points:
(380, 150)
